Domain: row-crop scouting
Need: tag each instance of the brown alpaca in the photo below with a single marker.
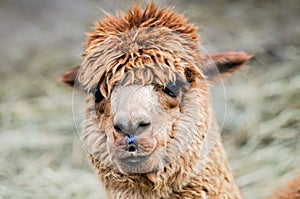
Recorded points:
(148, 112)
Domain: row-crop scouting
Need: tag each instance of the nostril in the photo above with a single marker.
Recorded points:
(144, 124)
(117, 128)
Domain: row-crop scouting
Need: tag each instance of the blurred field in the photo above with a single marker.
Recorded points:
(40, 153)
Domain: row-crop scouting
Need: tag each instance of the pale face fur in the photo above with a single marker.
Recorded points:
(163, 126)
(136, 106)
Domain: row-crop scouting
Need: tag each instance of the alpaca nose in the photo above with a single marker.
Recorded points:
(131, 126)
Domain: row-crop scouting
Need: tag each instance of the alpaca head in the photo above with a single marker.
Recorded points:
(148, 100)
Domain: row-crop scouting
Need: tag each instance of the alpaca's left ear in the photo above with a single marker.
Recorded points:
(218, 65)
(69, 77)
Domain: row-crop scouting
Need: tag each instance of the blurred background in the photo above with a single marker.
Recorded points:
(40, 152)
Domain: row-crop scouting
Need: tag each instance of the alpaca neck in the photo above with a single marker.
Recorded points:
(216, 179)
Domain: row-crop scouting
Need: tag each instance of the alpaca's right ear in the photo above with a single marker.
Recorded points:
(69, 77)
(219, 65)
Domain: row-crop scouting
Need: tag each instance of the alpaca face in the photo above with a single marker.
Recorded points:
(145, 127)
(145, 124)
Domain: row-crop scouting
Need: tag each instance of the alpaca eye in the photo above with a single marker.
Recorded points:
(97, 94)
(171, 89)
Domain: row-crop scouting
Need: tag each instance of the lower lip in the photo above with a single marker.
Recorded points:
(134, 159)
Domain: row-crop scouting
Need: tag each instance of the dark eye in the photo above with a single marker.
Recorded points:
(171, 89)
(97, 94)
